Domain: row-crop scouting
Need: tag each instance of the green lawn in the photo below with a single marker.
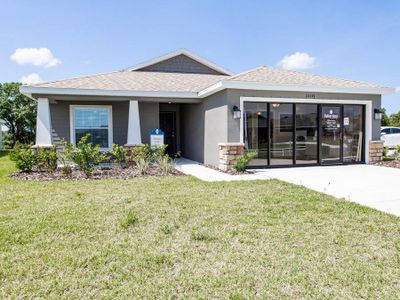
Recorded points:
(183, 238)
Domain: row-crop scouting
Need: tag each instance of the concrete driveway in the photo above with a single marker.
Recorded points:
(373, 186)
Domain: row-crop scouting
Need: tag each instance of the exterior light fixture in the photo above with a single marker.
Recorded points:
(276, 105)
(377, 114)
(236, 112)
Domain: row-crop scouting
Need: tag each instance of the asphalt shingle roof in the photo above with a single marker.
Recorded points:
(139, 81)
(281, 76)
(187, 82)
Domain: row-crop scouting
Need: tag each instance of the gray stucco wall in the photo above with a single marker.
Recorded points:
(203, 126)
(181, 64)
(60, 119)
(234, 99)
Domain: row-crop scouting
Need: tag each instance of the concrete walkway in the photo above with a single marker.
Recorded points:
(198, 170)
(373, 186)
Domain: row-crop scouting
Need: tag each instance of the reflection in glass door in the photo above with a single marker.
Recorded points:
(331, 134)
(353, 133)
(306, 134)
(255, 133)
(281, 120)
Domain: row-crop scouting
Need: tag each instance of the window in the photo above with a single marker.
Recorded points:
(93, 120)
(386, 130)
(395, 130)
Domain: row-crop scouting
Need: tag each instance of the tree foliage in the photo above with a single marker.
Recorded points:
(18, 113)
(390, 120)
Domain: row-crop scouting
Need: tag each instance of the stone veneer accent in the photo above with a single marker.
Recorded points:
(375, 151)
(228, 153)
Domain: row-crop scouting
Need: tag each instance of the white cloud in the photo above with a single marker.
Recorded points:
(398, 89)
(31, 79)
(35, 56)
(298, 61)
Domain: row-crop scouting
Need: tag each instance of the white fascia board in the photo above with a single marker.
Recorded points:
(251, 85)
(180, 52)
(116, 93)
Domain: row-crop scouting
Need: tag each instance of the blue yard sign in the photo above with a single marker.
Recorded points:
(156, 137)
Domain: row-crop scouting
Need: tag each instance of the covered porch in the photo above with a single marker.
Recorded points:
(116, 121)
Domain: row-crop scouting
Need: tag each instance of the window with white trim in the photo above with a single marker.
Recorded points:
(93, 120)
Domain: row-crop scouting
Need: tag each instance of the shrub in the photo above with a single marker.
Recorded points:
(138, 153)
(23, 157)
(147, 153)
(85, 155)
(130, 218)
(46, 159)
(143, 166)
(118, 153)
(157, 152)
(385, 151)
(243, 160)
(166, 164)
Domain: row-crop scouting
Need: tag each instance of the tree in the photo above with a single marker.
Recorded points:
(18, 113)
(385, 118)
(395, 119)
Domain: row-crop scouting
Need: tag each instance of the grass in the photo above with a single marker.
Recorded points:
(178, 237)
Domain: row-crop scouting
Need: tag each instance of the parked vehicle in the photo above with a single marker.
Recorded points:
(390, 136)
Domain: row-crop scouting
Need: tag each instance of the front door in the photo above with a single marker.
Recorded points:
(331, 134)
(168, 125)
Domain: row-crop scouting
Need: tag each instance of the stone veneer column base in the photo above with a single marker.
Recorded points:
(37, 149)
(375, 151)
(131, 149)
(228, 153)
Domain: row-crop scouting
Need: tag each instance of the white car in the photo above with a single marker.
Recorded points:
(390, 136)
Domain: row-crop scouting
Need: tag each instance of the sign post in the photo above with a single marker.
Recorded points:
(156, 138)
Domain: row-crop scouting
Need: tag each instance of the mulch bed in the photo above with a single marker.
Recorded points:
(115, 173)
(390, 164)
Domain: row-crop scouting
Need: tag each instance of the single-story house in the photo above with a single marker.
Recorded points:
(208, 114)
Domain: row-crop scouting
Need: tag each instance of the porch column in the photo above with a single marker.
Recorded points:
(43, 123)
(134, 135)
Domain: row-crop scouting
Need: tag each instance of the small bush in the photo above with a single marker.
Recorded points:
(46, 159)
(23, 157)
(118, 153)
(385, 151)
(130, 218)
(85, 155)
(157, 152)
(166, 164)
(142, 166)
(243, 160)
(138, 153)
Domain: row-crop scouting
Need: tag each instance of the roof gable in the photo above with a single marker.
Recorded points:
(181, 61)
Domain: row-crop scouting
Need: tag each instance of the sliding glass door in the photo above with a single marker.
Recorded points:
(306, 134)
(255, 133)
(281, 140)
(353, 133)
(331, 134)
(286, 134)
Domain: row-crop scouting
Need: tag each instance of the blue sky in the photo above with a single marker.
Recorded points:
(349, 39)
